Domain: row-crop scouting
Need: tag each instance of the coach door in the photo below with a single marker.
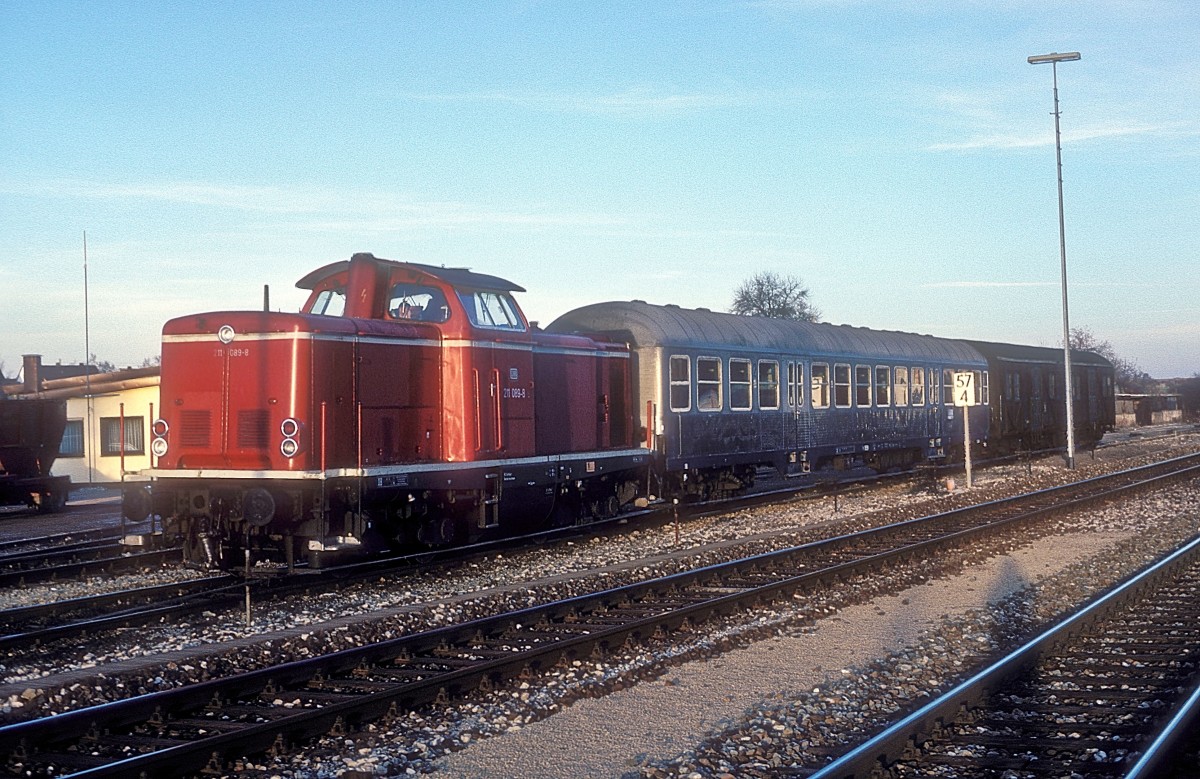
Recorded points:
(936, 417)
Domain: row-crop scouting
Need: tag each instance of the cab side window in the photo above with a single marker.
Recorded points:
(417, 302)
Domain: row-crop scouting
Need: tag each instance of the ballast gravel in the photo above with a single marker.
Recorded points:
(738, 699)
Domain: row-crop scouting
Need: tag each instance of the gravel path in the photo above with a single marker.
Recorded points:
(677, 710)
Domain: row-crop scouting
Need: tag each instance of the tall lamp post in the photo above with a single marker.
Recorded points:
(1054, 59)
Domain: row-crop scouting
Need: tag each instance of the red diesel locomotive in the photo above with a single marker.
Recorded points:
(404, 405)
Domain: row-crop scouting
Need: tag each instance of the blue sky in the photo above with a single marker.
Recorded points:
(898, 157)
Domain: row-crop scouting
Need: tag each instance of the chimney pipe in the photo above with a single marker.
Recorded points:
(31, 372)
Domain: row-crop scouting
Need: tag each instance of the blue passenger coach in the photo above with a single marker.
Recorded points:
(723, 394)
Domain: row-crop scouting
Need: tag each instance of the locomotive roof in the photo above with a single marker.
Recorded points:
(456, 277)
(1038, 354)
(643, 324)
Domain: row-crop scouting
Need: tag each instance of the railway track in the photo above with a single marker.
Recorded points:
(87, 559)
(32, 626)
(1109, 692)
(29, 628)
(185, 729)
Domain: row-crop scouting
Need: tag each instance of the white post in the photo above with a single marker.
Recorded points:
(967, 441)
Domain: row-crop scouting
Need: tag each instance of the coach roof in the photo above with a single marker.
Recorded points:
(646, 325)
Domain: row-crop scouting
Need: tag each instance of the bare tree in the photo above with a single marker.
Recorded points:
(771, 295)
(1130, 376)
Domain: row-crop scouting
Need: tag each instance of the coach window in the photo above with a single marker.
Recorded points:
(768, 384)
(791, 385)
(708, 384)
(799, 384)
(916, 390)
(948, 386)
(739, 385)
(883, 385)
(901, 385)
(1012, 386)
(820, 385)
(841, 386)
(493, 310)
(862, 386)
(681, 383)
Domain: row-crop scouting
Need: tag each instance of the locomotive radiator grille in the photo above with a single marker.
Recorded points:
(195, 428)
(253, 429)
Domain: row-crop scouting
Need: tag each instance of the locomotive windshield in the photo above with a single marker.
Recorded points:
(329, 302)
(493, 310)
(415, 301)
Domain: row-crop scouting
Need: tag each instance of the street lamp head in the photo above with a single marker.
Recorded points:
(1041, 59)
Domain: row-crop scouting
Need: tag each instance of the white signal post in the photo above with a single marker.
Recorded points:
(964, 398)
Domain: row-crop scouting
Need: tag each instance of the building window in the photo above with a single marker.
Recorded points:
(110, 436)
(739, 385)
(820, 385)
(916, 390)
(708, 384)
(681, 383)
(862, 386)
(901, 385)
(883, 385)
(841, 386)
(72, 440)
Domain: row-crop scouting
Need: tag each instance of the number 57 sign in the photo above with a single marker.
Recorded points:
(964, 389)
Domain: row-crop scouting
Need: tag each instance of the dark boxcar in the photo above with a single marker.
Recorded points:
(31, 431)
(1028, 411)
(723, 394)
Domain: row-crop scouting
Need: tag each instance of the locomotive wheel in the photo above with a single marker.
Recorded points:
(440, 531)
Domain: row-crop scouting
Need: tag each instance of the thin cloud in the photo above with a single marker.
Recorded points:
(232, 196)
(1098, 132)
(372, 211)
(986, 284)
